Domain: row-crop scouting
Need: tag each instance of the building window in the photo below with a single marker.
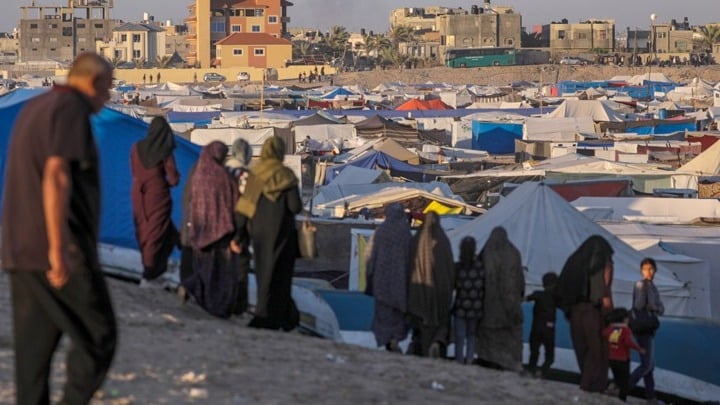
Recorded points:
(53, 49)
(33, 26)
(52, 26)
(136, 53)
(236, 12)
(259, 51)
(35, 40)
(250, 13)
(81, 39)
(99, 26)
(67, 31)
(662, 34)
(217, 13)
(80, 26)
(273, 19)
(217, 26)
(118, 54)
(259, 12)
(255, 28)
(52, 39)
(123, 37)
(237, 51)
(603, 35)
(136, 38)
(581, 35)
(236, 28)
(508, 41)
(561, 34)
(680, 45)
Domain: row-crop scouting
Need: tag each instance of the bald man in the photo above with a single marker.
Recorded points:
(51, 208)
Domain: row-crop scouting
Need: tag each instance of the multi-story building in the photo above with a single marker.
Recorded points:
(253, 50)
(210, 21)
(439, 28)
(9, 46)
(61, 32)
(584, 36)
(133, 42)
(671, 38)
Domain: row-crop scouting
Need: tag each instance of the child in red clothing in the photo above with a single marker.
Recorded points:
(619, 338)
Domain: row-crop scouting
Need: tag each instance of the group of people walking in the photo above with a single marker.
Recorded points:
(418, 288)
(477, 303)
(228, 210)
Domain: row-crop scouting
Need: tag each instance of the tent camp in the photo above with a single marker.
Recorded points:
(377, 126)
(547, 230)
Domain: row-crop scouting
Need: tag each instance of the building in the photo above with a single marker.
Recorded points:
(253, 50)
(439, 28)
(134, 42)
(671, 38)
(59, 33)
(210, 21)
(585, 36)
(9, 46)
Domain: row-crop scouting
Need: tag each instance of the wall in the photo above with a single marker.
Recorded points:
(134, 76)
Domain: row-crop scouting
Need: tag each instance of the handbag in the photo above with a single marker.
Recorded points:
(306, 240)
(642, 321)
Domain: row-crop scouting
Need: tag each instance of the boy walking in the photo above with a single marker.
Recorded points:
(620, 342)
(543, 325)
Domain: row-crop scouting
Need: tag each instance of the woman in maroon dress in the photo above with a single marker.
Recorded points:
(153, 169)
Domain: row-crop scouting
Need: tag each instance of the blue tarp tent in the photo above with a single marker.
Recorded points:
(495, 137)
(376, 159)
(114, 133)
(339, 92)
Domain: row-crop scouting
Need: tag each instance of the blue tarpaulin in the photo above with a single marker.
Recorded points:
(495, 138)
(339, 92)
(115, 133)
(373, 160)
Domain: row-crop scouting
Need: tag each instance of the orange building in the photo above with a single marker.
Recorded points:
(253, 50)
(209, 21)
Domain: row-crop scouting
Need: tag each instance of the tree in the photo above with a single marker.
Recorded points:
(337, 40)
(401, 33)
(392, 56)
(116, 61)
(711, 35)
(139, 63)
(163, 62)
(300, 49)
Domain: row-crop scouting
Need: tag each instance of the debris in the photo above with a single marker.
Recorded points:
(193, 378)
(199, 393)
(437, 386)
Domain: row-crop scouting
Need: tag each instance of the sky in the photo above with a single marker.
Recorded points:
(375, 14)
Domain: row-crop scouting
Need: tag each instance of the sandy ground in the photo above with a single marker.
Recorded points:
(507, 74)
(170, 353)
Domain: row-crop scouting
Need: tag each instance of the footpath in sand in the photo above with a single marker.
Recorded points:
(170, 353)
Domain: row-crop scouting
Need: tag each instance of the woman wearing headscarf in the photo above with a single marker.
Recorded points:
(499, 333)
(238, 166)
(211, 229)
(584, 294)
(388, 273)
(153, 170)
(431, 287)
(267, 212)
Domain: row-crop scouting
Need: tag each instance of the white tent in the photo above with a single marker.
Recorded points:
(649, 209)
(564, 129)
(599, 110)
(255, 137)
(547, 230)
(706, 163)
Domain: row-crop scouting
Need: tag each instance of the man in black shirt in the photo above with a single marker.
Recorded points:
(543, 324)
(51, 209)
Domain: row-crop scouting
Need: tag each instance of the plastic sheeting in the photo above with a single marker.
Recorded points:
(115, 133)
(495, 137)
(374, 160)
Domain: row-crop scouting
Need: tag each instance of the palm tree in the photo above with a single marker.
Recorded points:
(300, 48)
(393, 57)
(376, 44)
(116, 61)
(711, 35)
(139, 63)
(401, 33)
(163, 62)
(337, 40)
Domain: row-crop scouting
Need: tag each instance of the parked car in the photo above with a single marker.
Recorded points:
(214, 77)
(573, 61)
(243, 76)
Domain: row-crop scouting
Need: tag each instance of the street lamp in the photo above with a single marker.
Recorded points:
(653, 53)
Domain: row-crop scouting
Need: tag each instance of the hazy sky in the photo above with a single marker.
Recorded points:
(374, 14)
